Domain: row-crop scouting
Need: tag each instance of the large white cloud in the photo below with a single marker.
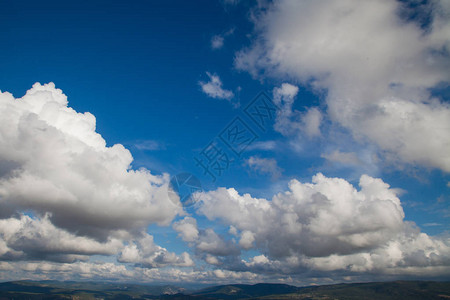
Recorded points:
(328, 225)
(376, 67)
(53, 161)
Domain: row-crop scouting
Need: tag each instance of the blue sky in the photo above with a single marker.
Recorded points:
(361, 97)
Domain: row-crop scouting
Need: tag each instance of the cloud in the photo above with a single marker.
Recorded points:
(346, 158)
(264, 166)
(376, 68)
(231, 2)
(291, 122)
(149, 145)
(262, 145)
(211, 243)
(58, 165)
(26, 238)
(213, 88)
(208, 245)
(144, 252)
(328, 225)
(187, 229)
(217, 41)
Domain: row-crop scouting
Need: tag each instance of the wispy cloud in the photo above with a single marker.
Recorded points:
(149, 145)
(213, 88)
(264, 166)
(346, 158)
(262, 145)
(217, 41)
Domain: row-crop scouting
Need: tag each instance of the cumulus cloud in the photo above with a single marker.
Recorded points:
(58, 166)
(376, 66)
(144, 252)
(187, 229)
(211, 243)
(65, 195)
(328, 224)
(213, 88)
(264, 166)
(208, 245)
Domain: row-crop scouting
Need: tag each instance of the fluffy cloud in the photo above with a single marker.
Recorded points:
(187, 229)
(55, 164)
(83, 198)
(208, 245)
(213, 88)
(328, 224)
(376, 65)
(144, 252)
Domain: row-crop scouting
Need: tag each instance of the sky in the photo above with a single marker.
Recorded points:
(212, 142)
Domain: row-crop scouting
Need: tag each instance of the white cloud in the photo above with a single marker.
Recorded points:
(375, 67)
(262, 145)
(213, 88)
(247, 239)
(264, 166)
(346, 158)
(329, 225)
(217, 42)
(146, 253)
(211, 243)
(187, 229)
(57, 163)
(312, 120)
(149, 145)
(291, 122)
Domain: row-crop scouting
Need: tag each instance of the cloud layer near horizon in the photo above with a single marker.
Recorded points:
(66, 197)
(328, 225)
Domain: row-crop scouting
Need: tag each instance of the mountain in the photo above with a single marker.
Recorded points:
(243, 291)
(411, 290)
(83, 290)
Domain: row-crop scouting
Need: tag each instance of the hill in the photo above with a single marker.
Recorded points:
(411, 290)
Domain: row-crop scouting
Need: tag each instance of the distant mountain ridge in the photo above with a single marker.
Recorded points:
(410, 290)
